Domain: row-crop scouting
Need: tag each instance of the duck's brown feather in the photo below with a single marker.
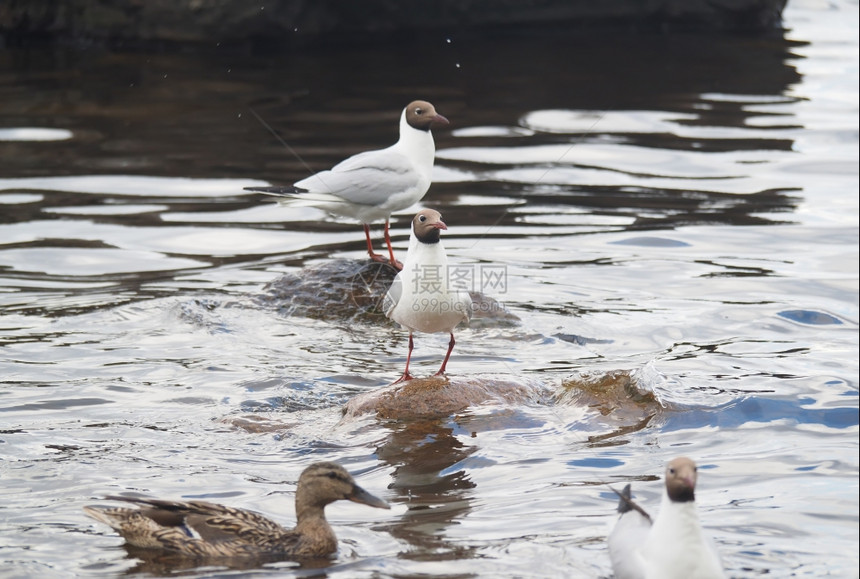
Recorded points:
(202, 529)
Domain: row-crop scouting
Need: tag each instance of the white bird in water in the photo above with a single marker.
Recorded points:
(370, 186)
(422, 297)
(672, 546)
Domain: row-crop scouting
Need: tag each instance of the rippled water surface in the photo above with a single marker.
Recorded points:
(674, 212)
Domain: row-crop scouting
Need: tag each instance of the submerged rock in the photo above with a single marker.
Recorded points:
(605, 405)
(255, 424)
(353, 290)
(332, 290)
(624, 404)
(607, 392)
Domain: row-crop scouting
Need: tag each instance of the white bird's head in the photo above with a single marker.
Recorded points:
(427, 226)
(681, 475)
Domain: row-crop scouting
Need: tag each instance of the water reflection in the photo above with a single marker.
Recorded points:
(422, 453)
(158, 564)
(117, 106)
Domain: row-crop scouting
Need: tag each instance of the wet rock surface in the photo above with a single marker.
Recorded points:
(610, 392)
(439, 396)
(618, 400)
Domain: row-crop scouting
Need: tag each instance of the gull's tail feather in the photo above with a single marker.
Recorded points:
(627, 504)
(281, 191)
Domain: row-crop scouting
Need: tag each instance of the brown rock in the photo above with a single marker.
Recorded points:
(439, 396)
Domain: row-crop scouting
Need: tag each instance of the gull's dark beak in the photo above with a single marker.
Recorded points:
(440, 120)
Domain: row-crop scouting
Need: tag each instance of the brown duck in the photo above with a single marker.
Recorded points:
(206, 530)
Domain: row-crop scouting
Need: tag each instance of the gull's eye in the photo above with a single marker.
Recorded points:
(422, 218)
(419, 111)
(671, 471)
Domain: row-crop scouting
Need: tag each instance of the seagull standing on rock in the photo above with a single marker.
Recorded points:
(370, 186)
(422, 297)
(672, 546)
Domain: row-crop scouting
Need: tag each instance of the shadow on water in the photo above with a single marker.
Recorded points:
(187, 115)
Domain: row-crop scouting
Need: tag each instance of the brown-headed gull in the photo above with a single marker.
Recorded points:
(422, 297)
(204, 530)
(370, 186)
(671, 546)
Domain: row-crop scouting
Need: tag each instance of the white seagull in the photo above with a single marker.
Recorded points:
(370, 186)
(423, 297)
(672, 546)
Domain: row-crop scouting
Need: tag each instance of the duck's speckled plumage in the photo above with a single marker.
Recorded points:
(201, 529)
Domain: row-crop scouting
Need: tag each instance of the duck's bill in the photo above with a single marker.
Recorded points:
(359, 495)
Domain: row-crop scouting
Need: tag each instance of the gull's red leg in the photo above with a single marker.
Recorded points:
(448, 355)
(406, 375)
(373, 255)
(397, 265)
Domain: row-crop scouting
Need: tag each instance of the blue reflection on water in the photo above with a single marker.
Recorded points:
(755, 409)
(810, 317)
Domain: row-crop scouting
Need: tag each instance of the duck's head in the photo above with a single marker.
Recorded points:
(681, 475)
(427, 225)
(326, 482)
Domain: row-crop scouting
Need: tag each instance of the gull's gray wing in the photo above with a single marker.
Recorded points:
(369, 178)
